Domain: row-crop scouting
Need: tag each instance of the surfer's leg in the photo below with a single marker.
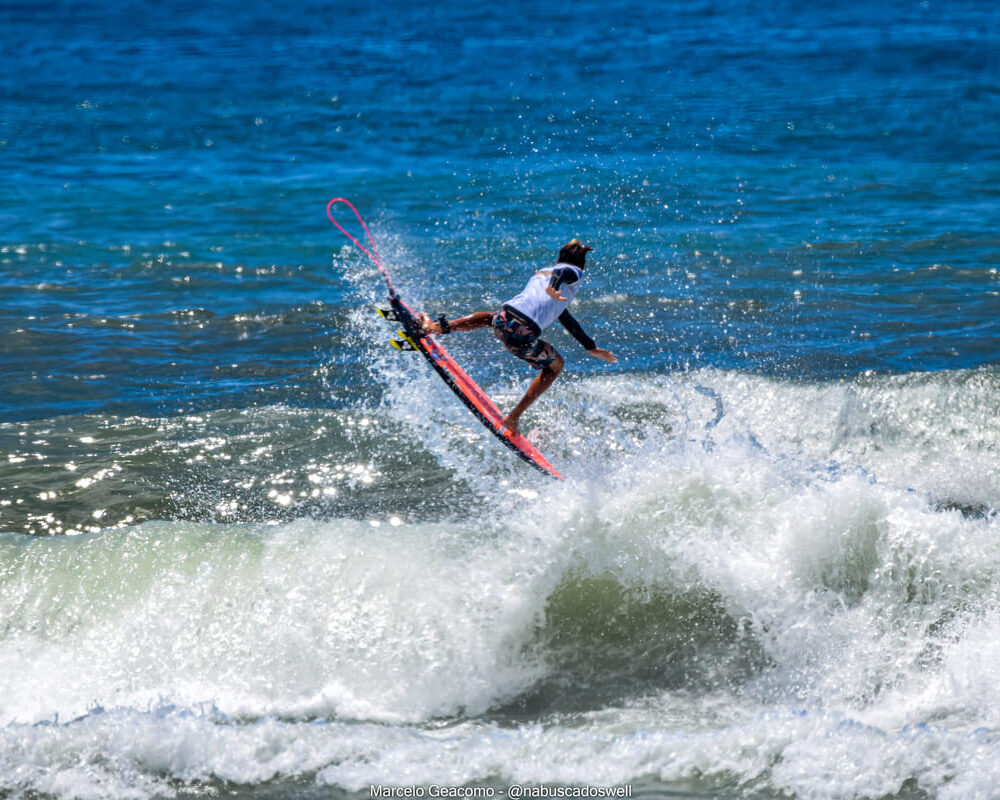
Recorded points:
(522, 342)
(473, 321)
(479, 319)
(541, 382)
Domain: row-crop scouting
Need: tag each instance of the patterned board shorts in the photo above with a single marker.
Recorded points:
(520, 340)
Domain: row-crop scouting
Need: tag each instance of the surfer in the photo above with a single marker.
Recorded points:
(519, 323)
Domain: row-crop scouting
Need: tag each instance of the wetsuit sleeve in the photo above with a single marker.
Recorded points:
(561, 276)
(573, 328)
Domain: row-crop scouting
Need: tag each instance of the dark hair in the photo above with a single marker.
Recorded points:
(574, 252)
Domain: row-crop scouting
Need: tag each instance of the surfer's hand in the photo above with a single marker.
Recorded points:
(555, 294)
(604, 355)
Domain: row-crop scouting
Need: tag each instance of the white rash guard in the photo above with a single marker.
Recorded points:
(535, 304)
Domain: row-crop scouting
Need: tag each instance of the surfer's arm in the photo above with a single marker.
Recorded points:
(557, 279)
(573, 328)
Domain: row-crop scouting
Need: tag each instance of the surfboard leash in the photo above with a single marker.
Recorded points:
(373, 254)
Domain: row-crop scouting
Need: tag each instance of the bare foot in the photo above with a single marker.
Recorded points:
(511, 424)
(427, 325)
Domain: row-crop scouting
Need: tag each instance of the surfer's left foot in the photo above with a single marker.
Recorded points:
(427, 325)
(511, 425)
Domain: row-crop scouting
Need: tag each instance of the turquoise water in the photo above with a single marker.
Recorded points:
(249, 550)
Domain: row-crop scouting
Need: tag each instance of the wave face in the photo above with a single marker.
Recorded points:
(747, 583)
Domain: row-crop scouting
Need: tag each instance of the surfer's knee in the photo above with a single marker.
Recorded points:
(555, 367)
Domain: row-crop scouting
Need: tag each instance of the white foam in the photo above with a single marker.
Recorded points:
(835, 540)
(337, 618)
(123, 754)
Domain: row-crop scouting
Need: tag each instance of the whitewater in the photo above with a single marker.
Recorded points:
(772, 586)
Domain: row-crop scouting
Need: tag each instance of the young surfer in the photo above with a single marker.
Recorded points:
(520, 321)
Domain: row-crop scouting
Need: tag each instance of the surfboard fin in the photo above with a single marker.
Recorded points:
(404, 342)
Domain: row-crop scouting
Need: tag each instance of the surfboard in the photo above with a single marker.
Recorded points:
(412, 337)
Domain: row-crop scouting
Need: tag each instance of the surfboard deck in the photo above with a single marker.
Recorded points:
(474, 398)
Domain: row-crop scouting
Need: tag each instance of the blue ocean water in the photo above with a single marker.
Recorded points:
(246, 548)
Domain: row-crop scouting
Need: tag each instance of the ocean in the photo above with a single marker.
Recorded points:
(247, 550)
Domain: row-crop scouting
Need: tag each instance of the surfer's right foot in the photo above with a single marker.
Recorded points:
(511, 424)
